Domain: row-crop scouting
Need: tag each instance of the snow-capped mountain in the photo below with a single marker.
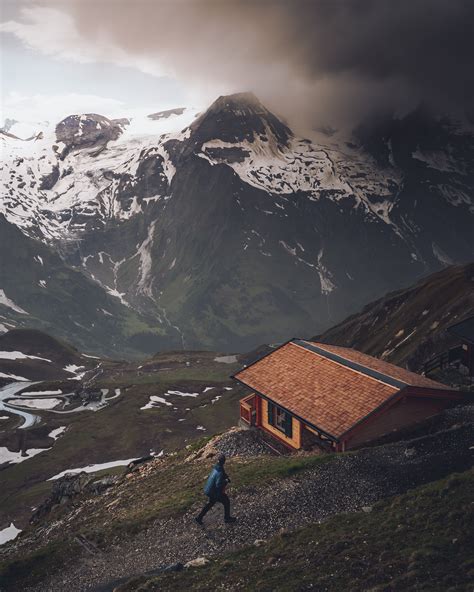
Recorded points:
(226, 229)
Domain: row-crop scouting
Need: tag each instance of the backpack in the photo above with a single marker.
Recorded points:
(214, 482)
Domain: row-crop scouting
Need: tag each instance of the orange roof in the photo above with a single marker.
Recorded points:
(330, 387)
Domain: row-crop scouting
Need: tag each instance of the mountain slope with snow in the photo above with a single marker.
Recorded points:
(39, 291)
(227, 229)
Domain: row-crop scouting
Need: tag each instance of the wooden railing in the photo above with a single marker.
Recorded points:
(443, 360)
(247, 409)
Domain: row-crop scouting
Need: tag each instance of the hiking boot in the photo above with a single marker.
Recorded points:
(198, 520)
(230, 520)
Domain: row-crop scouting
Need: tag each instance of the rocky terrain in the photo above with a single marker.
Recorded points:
(85, 131)
(178, 233)
(144, 522)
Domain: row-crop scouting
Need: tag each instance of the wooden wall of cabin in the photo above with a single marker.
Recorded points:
(294, 441)
(404, 412)
(311, 439)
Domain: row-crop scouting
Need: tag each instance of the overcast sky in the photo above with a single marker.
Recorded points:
(47, 72)
(325, 61)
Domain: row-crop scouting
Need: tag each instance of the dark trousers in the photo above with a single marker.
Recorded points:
(222, 499)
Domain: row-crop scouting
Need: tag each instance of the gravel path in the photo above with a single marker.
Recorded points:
(349, 483)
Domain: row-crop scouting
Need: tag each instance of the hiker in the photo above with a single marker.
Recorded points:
(215, 490)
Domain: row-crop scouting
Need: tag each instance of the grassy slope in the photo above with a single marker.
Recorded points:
(37, 343)
(421, 313)
(91, 437)
(419, 541)
(168, 491)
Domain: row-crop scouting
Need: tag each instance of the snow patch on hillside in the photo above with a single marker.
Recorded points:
(10, 304)
(45, 403)
(7, 456)
(226, 359)
(144, 253)
(41, 393)
(17, 355)
(181, 394)
(93, 468)
(14, 377)
(155, 401)
(9, 533)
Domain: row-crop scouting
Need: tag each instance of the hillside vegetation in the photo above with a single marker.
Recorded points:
(143, 522)
(205, 401)
(419, 541)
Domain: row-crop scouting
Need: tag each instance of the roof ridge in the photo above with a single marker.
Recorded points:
(371, 373)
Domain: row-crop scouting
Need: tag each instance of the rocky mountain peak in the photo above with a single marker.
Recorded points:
(88, 130)
(166, 113)
(239, 118)
(238, 102)
(159, 214)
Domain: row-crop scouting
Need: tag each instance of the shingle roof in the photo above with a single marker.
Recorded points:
(314, 382)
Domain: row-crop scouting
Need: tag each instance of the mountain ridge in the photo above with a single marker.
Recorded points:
(234, 231)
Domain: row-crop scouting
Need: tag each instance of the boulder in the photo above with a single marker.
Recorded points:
(198, 562)
(70, 486)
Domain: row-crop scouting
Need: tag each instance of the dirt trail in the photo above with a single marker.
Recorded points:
(349, 483)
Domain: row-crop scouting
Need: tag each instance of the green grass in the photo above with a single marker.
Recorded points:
(33, 568)
(91, 437)
(173, 489)
(421, 541)
(203, 374)
(169, 491)
(264, 469)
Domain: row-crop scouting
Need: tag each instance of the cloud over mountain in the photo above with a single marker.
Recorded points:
(326, 60)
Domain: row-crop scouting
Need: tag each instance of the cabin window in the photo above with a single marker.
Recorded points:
(280, 419)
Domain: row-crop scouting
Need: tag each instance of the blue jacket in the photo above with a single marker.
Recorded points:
(216, 481)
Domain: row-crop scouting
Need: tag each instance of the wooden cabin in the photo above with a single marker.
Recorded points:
(307, 394)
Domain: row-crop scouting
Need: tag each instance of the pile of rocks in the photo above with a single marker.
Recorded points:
(70, 486)
(234, 442)
(144, 466)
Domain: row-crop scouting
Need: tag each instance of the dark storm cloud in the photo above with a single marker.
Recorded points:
(323, 58)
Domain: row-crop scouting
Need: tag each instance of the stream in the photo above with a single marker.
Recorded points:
(30, 419)
(10, 390)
